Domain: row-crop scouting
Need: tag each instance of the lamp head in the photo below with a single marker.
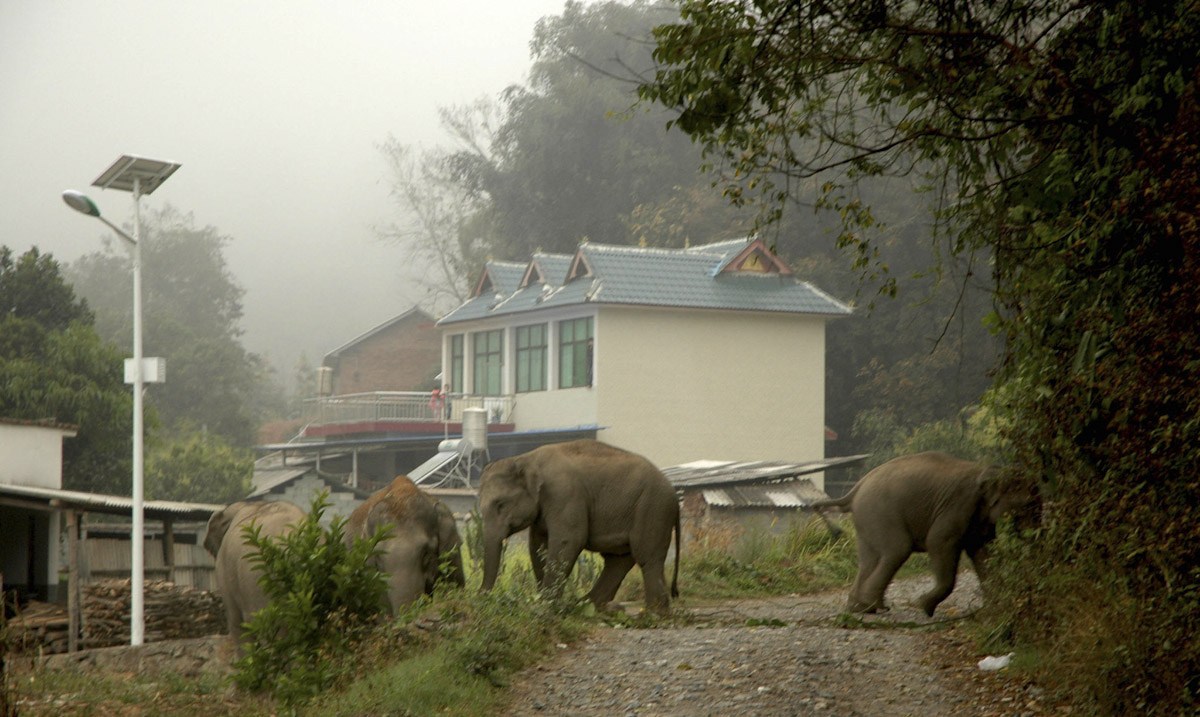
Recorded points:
(80, 203)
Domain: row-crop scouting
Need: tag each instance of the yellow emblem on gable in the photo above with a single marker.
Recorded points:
(753, 262)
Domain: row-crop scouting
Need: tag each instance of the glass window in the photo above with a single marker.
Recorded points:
(457, 362)
(575, 353)
(487, 350)
(531, 358)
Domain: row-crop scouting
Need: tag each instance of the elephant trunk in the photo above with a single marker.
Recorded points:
(493, 548)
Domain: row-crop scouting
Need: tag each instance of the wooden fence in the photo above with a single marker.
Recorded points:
(178, 556)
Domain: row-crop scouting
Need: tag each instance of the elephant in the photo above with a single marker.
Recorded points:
(237, 579)
(926, 502)
(583, 495)
(421, 547)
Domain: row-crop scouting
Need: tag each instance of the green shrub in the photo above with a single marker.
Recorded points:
(323, 597)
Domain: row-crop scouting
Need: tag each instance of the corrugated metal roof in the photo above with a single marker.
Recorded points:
(641, 276)
(792, 494)
(719, 474)
(271, 479)
(112, 504)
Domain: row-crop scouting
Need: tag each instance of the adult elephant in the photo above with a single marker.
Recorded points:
(583, 495)
(927, 502)
(421, 547)
(237, 579)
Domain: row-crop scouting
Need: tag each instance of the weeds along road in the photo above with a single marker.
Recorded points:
(782, 656)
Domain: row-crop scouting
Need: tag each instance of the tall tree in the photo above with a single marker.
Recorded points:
(1060, 139)
(571, 158)
(441, 227)
(192, 306)
(54, 366)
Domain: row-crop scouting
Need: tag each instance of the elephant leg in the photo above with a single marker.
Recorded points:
(943, 561)
(875, 584)
(616, 567)
(537, 554)
(979, 558)
(868, 559)
(233, 619)
(561, 554)
(658, 598)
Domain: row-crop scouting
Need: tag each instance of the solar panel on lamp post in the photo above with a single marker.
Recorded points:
(139, 176)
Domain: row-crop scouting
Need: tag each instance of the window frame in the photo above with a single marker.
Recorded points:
(576, 353)
(487, 361)
(458, 362)
(531, 357)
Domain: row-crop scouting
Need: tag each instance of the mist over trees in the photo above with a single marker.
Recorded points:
(572, 155)
(206, 415)
(191, 307)
(1060, 142)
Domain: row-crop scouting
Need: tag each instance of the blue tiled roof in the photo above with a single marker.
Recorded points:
(637, 276)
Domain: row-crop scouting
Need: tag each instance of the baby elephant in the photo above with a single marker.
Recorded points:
(927, 502)
(422, 537)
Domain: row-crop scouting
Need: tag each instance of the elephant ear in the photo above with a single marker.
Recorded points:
(381, 514)
(1003, 494)
(218, 526)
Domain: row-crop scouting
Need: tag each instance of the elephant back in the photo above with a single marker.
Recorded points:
(401, 502)
(276, 518)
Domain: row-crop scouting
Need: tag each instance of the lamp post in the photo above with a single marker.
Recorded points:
(139, 176)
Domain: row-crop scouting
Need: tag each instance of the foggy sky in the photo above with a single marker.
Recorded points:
(274, 109)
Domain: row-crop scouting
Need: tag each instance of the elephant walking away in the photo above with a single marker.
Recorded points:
(583, 495)
(421, 547)
(237, 579)
(927, 502)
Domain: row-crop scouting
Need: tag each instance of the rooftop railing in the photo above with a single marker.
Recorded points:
(406, 407)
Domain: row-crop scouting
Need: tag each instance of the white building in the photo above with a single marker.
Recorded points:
(714, 351)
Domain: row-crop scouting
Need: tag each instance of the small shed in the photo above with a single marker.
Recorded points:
(36, 514)
(30, 461)
(749, 497)
(300, 482)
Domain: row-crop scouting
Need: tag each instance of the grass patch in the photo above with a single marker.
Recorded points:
(722, 562)
(56, 693)
(455, 654)
(462, 668)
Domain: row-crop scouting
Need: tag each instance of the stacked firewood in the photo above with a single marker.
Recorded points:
(38, 625)
(171, 612)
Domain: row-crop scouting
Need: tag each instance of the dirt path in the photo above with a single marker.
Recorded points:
(781, 656)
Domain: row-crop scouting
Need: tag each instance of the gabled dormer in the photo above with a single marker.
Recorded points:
(580, 267)
(546, 270)
(497, 278)
(755, 259)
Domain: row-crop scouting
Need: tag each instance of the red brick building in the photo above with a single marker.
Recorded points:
(402, 354)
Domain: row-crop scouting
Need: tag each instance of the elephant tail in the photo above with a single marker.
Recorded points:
(678, 550)
(843, 504)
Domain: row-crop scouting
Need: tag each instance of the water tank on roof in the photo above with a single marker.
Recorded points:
(475, 427)
(324, 381)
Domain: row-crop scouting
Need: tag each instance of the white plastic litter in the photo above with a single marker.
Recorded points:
(991, 664)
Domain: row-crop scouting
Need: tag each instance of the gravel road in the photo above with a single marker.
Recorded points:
(782, 656)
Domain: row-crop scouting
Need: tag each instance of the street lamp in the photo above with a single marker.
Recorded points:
(139, 176)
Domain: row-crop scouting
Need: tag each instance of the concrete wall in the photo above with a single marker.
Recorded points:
(303, 490)
(679, 386)
(31, 455)
(682, 385)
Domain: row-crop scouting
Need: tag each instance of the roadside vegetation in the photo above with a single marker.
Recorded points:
(455, 653)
